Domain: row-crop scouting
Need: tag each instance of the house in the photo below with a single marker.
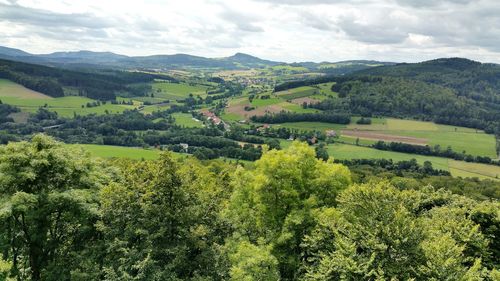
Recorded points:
(184, 146)
(330, 133)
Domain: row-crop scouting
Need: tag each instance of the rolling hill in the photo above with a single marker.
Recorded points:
(89, 59)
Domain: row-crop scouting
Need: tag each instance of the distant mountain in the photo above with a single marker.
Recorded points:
(342, 67)
(112, 60)
(83, 57)
(244, 59)
(89, 59)
(6, 51)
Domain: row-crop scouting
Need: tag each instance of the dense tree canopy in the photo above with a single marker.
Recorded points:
(290, 216)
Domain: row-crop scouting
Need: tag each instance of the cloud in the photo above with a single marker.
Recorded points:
(433, 3)
(284, 30)
(38, 17)
(243, 21)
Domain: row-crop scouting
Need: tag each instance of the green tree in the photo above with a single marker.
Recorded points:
(161, 221)
(47, 209)
(273, 202)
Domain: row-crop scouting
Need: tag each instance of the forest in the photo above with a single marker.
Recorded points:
(95, 84)
(292, 216)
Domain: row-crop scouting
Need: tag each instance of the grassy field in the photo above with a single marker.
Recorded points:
(231, 117)
(186, 120)
(320, 126)
(326, 89)
(177, 91)
(296, 93)
(456, 168)
(9, 89)
(465, 169)
(346, 151)
(29, 101)
(110, 151)
(257, 102)
(460, 139)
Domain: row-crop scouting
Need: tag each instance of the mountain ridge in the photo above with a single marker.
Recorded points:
(108, 59)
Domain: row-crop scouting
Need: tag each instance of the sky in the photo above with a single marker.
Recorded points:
(281, 30)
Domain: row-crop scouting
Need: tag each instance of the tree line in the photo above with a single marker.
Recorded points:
(433, 151)
(285, 116)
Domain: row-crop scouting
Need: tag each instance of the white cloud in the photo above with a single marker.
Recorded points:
(285, 30)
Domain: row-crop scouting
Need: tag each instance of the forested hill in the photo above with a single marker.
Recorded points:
(475, 80)
(450, 91)
(53, 81)
(91, 59)
(97, 60)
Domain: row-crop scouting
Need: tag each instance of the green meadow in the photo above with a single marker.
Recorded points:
(110, 151)
(346, 151)
(29, 101)
(186, 120)
(177, 91)
(472, 141)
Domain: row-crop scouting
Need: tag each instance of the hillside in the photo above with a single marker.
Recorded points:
(449, 91)
(55, 82)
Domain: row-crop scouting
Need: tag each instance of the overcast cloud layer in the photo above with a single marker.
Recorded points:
(284, 30)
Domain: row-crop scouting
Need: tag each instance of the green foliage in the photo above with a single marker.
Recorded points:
(381, 233)
(273, 202)
(163, 217)
(47, 208)
(291, 216)
(253, 263)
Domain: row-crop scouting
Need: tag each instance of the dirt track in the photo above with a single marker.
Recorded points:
(374, 135)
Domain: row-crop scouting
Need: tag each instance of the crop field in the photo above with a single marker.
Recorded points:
(375, 135)
(482, 171)
(296, 93)
(177, 91)
(309, 126)
(186, 120)
(460, 139)
(456, 168)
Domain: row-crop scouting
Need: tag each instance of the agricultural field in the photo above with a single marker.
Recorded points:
(347, 151)
(29, 101)
(110, 151)
(177, 91)
(482, 171)
(472, 141)
(456, 168)
(307, 126)
(299, 92)
(326, 89)
(187, 120)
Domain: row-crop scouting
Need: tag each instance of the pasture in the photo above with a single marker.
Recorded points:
(10, 90)
(346, 151)
(177, 91)
(296, 93)
(466, 169)
(309, 126)
(111, 151)
(29, 101)
(186, 120)
(472, 141)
